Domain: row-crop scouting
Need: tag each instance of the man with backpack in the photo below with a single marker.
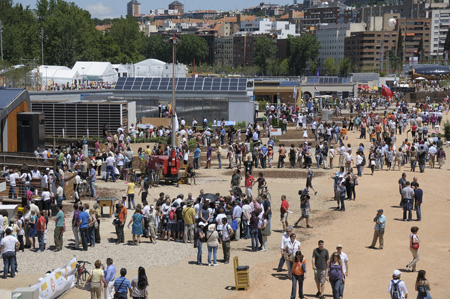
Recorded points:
(397, 288)
(227, 233)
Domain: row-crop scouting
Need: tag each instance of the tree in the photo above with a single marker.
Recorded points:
(400, 45)
(345, 66)
(192, 47)
(20, 32)
(264, 50)
(125, 32)
(301, 50)
(330, 66)
(155, 47)
(420, 50)
(69, 33)
(447, 42)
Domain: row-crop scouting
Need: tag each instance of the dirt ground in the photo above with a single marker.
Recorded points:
(369, 270)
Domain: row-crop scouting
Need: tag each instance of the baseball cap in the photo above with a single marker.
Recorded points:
(380, 210)
(201, 224)
(397, 273)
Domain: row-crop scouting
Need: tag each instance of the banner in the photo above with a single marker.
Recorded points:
(58, 282)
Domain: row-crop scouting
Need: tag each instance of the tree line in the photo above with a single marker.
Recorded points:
(68, 34)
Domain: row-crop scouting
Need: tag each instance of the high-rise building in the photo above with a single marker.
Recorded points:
(133, 8)
(176, 5)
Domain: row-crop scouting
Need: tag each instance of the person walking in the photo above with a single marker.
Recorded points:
(254, 220)
(122, 285)
(380, 223)
(41, 224)
(96, 279)
(58, 234)
(284, 210)
(122, 215)
(139, 285)
(109, 275)
(320, 257)
(284, 239)
(397, 287)
(422, 286)
(292, 247)
(344, 263)
(138, 223)
(309, 177)
(418, 197)
(335, 274)
(212, 242)
(298, 274)
(414, 244)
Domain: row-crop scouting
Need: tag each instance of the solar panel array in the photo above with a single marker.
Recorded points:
(328, 80)
(183, 84)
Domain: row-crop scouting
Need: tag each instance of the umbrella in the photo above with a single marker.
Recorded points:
(211, 197)
(141, 126)
(366, 87)
(375, 88)
(420, 78)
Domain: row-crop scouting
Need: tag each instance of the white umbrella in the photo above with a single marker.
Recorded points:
(149, 126)
(420, 78)
(141, 126)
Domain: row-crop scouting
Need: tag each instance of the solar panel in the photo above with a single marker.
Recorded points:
(120, 83)
(225, 84)
(181, 83)
(146, 84)
(207, 84)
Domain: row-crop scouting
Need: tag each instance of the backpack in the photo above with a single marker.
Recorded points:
(396, 293)
(172, 214)
(146, 184)
(363, 163)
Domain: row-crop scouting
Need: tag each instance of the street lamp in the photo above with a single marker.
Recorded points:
(82, 78)
(1, 39)
(175, 41)
(138, 71)
(42, 45)
(46, 78)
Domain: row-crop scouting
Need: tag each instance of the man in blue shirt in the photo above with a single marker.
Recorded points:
(380, 222)
(196, 157)
(271, 143)
(222, 136)
(122, 285)
(263, 155)
(83, 224)
(110, 275)
(418, 195)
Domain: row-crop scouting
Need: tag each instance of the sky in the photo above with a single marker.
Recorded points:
(116, 8)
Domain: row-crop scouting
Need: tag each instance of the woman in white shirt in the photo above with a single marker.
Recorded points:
(291, 249)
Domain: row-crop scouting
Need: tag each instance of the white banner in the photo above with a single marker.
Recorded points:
(58, 282)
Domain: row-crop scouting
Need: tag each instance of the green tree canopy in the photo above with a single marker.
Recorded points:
(330, 66)
(301, 50)
(264, 50)
(155, 47)
(192, 47)
(20, 32)
(447, 41)
(126, 33)
(345, 66)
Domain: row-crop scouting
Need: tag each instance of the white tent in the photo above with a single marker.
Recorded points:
(54, 74)
(149, 68)
(121, 70)
(96, 71)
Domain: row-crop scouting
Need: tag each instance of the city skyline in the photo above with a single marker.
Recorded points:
(116, 8)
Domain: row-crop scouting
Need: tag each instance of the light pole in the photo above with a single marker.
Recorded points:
(175, 41)
(42, 45)
(1, 39)
(46, 78)
(82, 78)
(138, 71)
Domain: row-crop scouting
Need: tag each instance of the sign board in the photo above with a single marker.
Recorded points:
(2, 186)
(275, 132)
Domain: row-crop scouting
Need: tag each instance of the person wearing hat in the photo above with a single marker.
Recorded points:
(344, 261)
(198, 239)
(380, 223)
(397, 287)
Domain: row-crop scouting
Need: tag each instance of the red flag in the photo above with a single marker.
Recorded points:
(386, 91)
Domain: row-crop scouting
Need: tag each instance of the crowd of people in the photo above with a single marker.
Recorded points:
(214, 219)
